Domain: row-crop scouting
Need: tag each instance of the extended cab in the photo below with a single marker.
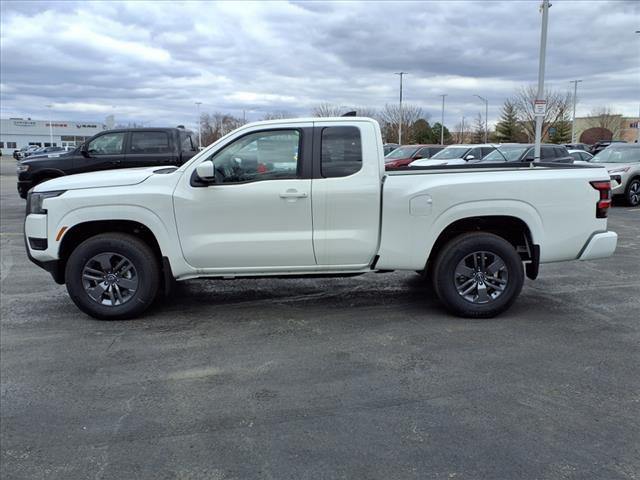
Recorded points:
(122, 148)
(307, 197)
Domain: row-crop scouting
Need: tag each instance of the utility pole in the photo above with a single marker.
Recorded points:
(50, 127)
(486, 118)
(400, 112)
(442, 122)
(575, 101)
(540, 100)
(199, 126)
(462, 133)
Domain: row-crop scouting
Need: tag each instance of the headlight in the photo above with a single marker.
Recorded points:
(620, 170)
(22, 168)
(36, 199)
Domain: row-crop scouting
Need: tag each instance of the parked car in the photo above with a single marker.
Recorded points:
(601, 145)
(404, 155)
(24, 151)
(44, 151)
(524, 152)
(580, 155)
(622, 161)
(578, 146)
(389, 147)
(124, 148)
(456, 155)
(295, 210)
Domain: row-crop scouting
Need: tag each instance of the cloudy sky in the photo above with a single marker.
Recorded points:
(150, 62)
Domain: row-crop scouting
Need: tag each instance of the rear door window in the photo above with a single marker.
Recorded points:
(150, 142)
(486, 151)
(341, 151)
(547, 153)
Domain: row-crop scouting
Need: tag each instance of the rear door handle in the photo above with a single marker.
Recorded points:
(292, 193)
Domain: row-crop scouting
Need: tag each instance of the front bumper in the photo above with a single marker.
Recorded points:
(35, 235)
(600, 245)
(23, 187)
(617, 184)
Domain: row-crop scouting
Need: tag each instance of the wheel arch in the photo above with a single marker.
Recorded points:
(513, 229)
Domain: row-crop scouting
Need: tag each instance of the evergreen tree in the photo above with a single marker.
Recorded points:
(508, 128)
(435, 129)
(421, 131)
(478, 129)
(561, 129)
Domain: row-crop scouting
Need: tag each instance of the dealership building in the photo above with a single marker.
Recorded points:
(16, 133)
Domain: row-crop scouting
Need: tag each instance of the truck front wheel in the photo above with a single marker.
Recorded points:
(478, 275)
(113, 276)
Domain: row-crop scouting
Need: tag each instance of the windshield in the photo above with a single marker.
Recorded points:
(451, 152)
(402, 152)
(511, 154)
(618, 155)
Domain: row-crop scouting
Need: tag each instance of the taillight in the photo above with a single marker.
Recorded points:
(602, 207)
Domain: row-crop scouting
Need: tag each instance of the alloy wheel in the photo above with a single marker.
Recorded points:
(481, 277)
(110, 279)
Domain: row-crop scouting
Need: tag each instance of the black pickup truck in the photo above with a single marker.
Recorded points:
(122, 148)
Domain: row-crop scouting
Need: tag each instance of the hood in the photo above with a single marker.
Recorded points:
(434, 162)
(104, 178)
(615, 166)
(44, 156)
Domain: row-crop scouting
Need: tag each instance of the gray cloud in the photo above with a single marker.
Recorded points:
(150, 61)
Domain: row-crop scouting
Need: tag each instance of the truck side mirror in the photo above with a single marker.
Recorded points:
(205, 171)
(84, 151)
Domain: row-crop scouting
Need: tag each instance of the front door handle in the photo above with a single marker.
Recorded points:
(292, 193)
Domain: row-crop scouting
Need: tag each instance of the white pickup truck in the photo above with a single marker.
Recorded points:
(311, 197)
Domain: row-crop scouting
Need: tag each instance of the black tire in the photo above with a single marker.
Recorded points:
(127, 302)
(456, 254)
(632, 194)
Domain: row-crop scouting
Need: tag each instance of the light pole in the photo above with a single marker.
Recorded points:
(575, 101)
(540, 94)
(199, 126)
(400, 112)
(442, 122)
(486, 117)
(50, 127)
(462, 132)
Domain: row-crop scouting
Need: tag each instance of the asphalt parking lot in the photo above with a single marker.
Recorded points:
(359, 378)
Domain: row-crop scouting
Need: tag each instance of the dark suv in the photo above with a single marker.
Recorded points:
(524, 152)
(134, 147)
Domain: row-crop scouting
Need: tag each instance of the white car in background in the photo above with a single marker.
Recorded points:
(622, 161)
(456, 155)
(580, 155)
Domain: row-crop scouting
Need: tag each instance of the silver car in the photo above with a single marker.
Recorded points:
(622, 160)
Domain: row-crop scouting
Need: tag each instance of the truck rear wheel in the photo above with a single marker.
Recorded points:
(478, 275)
(113, 276)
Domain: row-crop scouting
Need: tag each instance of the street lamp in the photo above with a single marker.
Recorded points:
(50, 127)
(199, 126)
(400, 113)
(539, 96)
(575, 101)
(486, 117)
(442, 122)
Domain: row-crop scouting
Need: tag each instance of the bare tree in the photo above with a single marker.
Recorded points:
(523, 101)
(326, 109)
(390, 119)
(603, 117)
(478, 129)
(459, 134)
(277, 115)
(217, 125)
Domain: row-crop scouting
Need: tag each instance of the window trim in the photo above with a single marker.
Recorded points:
(305, 143)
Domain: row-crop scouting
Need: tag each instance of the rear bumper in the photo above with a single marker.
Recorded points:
(600, 245)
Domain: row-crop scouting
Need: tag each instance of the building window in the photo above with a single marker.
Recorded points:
(12, 145)
(2, 145)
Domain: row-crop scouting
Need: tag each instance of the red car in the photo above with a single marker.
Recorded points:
(405, 154)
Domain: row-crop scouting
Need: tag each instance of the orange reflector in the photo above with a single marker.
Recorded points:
(60, 233)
